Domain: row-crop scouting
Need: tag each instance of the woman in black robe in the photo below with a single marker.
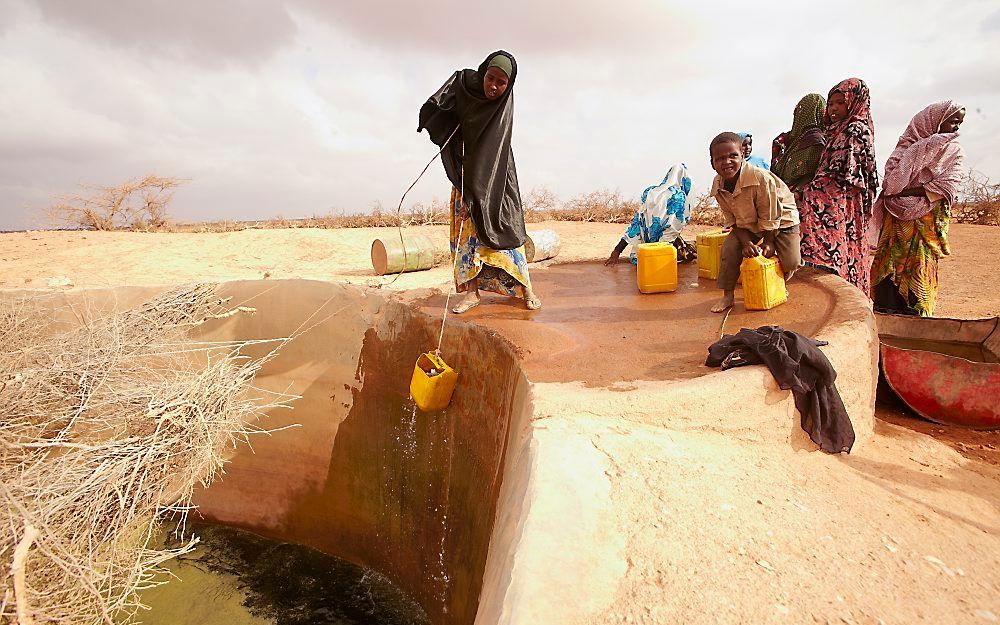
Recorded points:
(471, 118)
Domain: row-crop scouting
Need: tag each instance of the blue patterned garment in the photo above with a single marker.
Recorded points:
(756, 161)
(665, 210)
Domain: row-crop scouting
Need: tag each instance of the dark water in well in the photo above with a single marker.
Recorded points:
(235, 577)
(975, 352)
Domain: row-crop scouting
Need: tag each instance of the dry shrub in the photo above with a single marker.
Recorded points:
(980, 201)
(435, 213)
(705, 211)
(139, 204)
(539, 205)
(602, 206)
(105, 429)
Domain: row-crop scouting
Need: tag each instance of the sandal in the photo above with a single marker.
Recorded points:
(465, 305)
(533, 303)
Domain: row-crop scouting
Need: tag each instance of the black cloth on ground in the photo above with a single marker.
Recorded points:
(490, 186)
(796, 363)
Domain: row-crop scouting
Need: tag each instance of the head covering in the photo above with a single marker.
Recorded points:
(665, 210)
(849, 155)
(923, 157)
(754, 160)
(482, 146)
(502, 63)
(797, 161)
(858, 102)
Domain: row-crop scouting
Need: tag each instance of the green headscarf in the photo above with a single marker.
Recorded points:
(501, 62)
(805, 142)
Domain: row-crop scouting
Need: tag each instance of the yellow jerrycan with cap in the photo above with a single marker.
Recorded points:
(433, 382)
(763, 283)
(656, 270)
(710, 253)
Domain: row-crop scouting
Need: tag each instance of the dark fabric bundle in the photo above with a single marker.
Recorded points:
(796, 363)
(490, 185)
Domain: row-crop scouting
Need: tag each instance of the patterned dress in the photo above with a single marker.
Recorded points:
(908, 253)
(836, 206)
(914, 227)
(499, 271)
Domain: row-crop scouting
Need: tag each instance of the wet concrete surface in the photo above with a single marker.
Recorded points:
(596, 327)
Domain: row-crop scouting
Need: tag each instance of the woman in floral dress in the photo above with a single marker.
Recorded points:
(836, 206)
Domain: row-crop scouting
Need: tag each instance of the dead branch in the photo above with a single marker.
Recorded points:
(106, 428)
(138, 204)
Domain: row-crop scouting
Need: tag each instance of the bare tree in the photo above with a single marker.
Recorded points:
(980, 201)
(138, 204)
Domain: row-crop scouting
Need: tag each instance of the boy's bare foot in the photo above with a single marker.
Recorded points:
(724, 304)
(471, 301)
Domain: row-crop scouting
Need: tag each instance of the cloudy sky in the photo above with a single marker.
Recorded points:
(305, 107)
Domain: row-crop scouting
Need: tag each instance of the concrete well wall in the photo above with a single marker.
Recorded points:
(352, 469)
(499, 509)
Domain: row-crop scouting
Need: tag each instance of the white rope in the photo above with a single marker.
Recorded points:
(399, 209)
(722, 328)
(458, 245)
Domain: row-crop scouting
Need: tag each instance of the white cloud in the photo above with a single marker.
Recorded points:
(301, 107)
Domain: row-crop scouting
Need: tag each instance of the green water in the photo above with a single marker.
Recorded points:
(238, 578)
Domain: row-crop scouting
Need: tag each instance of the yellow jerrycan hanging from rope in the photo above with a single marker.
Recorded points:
(433, 383)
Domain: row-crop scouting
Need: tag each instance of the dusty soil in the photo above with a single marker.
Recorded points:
(905, 530)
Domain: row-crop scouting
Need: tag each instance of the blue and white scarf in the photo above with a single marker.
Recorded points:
(665, 210)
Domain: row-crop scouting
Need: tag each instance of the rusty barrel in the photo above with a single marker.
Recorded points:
(541, 244)
(413, 253)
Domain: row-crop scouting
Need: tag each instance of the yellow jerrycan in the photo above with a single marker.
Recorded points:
(433, 382)
(763, 283)
(710, 253)
(657, 267)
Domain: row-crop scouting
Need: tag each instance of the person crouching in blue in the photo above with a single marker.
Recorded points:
(665, 211)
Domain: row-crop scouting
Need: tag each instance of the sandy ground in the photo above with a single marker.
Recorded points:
(717, 530)
(96, 259)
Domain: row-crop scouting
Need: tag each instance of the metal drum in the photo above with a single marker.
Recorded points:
(541, 245)
(388, 255)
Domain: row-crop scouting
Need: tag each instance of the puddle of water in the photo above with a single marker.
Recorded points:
(235, 577)
(975, 352)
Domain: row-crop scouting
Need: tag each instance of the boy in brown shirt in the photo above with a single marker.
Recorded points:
(757, 205)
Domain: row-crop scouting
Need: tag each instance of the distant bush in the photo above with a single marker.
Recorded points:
(139, 204)
(979, 202)
(601, 206)
(706, 211)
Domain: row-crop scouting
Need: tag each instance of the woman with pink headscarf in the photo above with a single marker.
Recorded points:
(836, 207)
(922, 178)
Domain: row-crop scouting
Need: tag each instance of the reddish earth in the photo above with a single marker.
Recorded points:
(596, 327)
